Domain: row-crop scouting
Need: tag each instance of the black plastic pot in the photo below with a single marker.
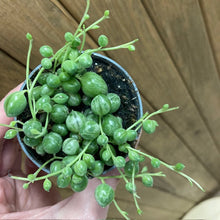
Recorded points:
(118, 81)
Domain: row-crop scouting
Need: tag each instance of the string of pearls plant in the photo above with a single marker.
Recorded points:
(81, 143)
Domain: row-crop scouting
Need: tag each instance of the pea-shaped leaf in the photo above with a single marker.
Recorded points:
(155, 162)
(29, 36)
(59, 113)
(119, 161)
(100, 105)
(56, 166)
(90, 115)
(60, 129)
(68, 36)
(43, 78)
(41, 101)
(67, 171)
(74, 99)
(102, 140)
(60, 98)
(76, 42)
(90, 160)
(75, 120)
(76, 179)
(85, 60)
(103, 41)
(179, 167)
(73, 54)
(131, 135)
(52, 143)
(47, 185)
(32, 142)
(46, 90)
(115, 102)
(104, 194)
(92, 148)
(46, 63)
(130, 187)
(70, 67)
(15, 103)
(105, 155)
(147, 180)
(63, 181)
(93, 84)
(124, 147)
(69, 159)
(36, 92)
(31, 127)
(70, 146)
(110, 124)
(80, 186)
(90, 130)
(120, 136)
(98, 168)
(71, 86)
(129, 166)
(40, 149)
(80, 168)
(53, 81)
(63, 76)
(11, 133)
(46, 51)
(133, 156)
(149, 126)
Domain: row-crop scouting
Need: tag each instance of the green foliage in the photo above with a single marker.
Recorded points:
(15, 104)
(104, 194)
(46, 51)
(72, 114)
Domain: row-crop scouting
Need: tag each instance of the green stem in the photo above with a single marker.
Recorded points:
(102, 180)
(84, 39)
(47, 162)
(55, 173)
(66, 53)
(135, 193)
(33, 84)
(109, 177)
(93, 24)
(171, 167)
(111, 48)
(55, 65)
(160, 111)
(123, 213)
(12, 127)
(83, 19)
(100, 124)
(122, 175)
(27, 80)
(119, 46)
(151, 174)
(19, 122)
(138, 122)
(19, 178)
(147, 116)
(8, 126)
(136, 176)
(60, 51)
(42, 69)
(68, 165)
(119, 170)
